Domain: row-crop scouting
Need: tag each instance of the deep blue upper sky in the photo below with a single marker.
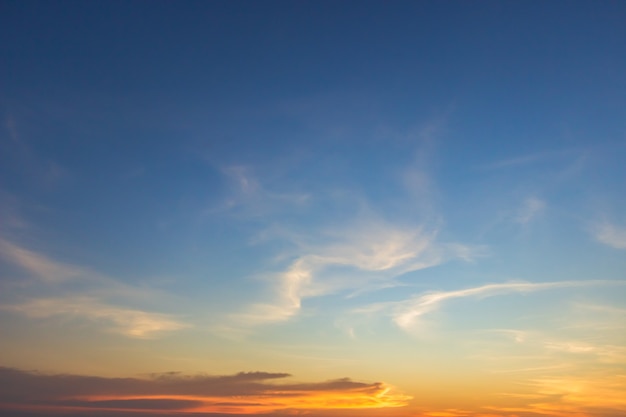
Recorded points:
(141, 104)
(240, 54)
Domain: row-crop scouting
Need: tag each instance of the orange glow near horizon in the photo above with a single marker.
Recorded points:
(279, 400)
(270, 401)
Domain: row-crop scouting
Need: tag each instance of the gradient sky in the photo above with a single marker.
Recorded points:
(320, 208)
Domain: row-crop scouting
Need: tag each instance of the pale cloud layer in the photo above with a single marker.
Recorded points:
(126, 321)
(534, 158)
(371, 255)
(610, 235)
(249, 196)
(89, 303)
(530, 209)
(42, 267)
(407, 314)
(366, 253)
(581, 394)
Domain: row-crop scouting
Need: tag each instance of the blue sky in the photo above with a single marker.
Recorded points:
(411, 207)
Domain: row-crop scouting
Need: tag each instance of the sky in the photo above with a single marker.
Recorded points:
(313, 208)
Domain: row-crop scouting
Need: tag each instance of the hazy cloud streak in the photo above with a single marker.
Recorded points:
(369, 256)
(44, 268)
(129, 322)
(408, 312)
(532, 207)
(610, 235)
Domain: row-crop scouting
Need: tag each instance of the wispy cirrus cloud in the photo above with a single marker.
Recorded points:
(39, 265)
(23, 160)
(603, 352)
(558, 368)
(582, 394)
(43, 269)
(87, 301)
(365, 252)
(531, 208)
(407, 313)
(127, 321)
(11, 217)
(610, 235)
(371, 255)
(240, 394)
(248, 195)
(531, 159)
(563, 348)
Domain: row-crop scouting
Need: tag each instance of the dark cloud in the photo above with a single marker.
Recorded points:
(26, 386)
(108, 413)
(25, 392)
(139, 404)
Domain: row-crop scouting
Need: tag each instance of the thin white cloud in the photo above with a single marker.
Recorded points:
(406, 314)
(11, 219)
(47, 171)
(39, 265)
(518, 336)
(529, 159)
(606, 309)
(88, 300)
(44, 269)
(250, 196)
(369, 256)
(530, 209)
(610, 235)
(519, 161)
(129, 322)
(244, 182)
(602, 391)
(365, 254)
(605, 353)
(12, 129)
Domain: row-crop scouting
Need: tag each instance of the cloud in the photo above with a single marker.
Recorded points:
(450, 412)
(240, 394)
(250, 197)
(87, 301)
(530, 159)
(610, 235)
(603, 353)
(530, 209)
(11, 218)
(368, 256)
(519, 161)
(39, 265)
(365, 252)
(584, 394)
(23, 160)
(12, 129)
(129, 322)
(56, 274)
(406, 314)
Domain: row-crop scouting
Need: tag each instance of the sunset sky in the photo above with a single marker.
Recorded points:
(316, 208)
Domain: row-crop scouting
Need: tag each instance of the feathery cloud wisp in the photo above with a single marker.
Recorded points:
(407, 313)
(42, 267)
(249, 196)
(530, 209)
(610, 235)
(88, 302)
(129, 322)
(370, 257)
